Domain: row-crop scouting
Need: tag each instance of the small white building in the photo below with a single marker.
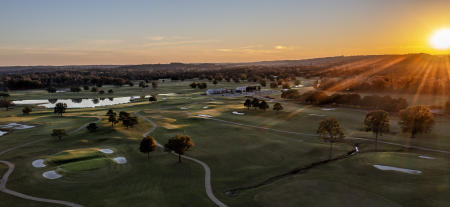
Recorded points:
(241, 89)
(216, 91)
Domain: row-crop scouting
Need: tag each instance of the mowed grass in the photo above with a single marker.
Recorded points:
(238, 156)
(84, 165)
(355, 182)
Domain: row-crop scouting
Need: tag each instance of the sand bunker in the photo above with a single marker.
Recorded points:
(205, 107)
(328, 109)
(404, 170)
(39, 163)
(237, 113)
(321, 115)
(120, 160)
(426, 157)
(106, 151)
(204, 116)
(16, 126)
(3, 133)
(183, 108)
(51, 175)
(167, 94)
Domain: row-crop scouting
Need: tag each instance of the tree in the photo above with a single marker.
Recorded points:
(94, 89)
(86, 87)
(263, 105)
(75, 89)
(330, 130)
(123, 115)
(255, 103)
(179, 144)
(377, 122)
(101, 92)
(59, 133)
(92, 127)
(148, 144)
(262, 82)
(51, 89)
(4, 102)
(273, 84)
(110, 112)
(193, 85)
(113, 119)
(129, 121)
(152, 98)
(154, 84)
(26, 110)
(60, 108)
(277, 107)
(416, 120)
(248, 104)
(110, 91)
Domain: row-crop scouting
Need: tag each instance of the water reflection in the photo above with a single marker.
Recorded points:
(77, 102)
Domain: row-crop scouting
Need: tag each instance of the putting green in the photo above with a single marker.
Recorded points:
(84, 165)
(74, 155)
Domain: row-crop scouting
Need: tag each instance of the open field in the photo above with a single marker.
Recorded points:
(239, 152)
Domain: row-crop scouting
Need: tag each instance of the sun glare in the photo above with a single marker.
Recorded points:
(440, 39)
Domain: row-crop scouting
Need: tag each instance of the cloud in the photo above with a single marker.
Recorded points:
(280, 47)
(156, 38)
(178, 42)
(224, 50)
(105, 42)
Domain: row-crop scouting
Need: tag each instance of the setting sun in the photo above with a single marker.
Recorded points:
(441, 39)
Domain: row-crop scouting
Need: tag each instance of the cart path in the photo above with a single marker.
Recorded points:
(208, 186)
(11, 168)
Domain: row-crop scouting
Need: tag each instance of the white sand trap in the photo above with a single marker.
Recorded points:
(167, 94)
(404, 170)
(321, 115)
(16, 126)
(10, 125)
(237, 113)
(328, 109)
(51, 175)
(205, 107)
(426, 157)
(183, 108)
(23, 127)
(120, 160)
(204, 116)
(164, 98)
(106, 151)
(39, 163)
(3, 133)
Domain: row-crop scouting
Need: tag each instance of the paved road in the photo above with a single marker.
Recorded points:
(315, 135)
(208, 187)
(11, 167)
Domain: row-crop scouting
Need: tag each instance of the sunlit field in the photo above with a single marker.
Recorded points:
(241, 151)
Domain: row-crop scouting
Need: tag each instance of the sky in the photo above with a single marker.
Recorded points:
(85, 32)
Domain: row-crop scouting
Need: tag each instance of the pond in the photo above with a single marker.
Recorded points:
(80, 102)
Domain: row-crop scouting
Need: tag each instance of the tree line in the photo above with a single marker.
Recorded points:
(386, 103)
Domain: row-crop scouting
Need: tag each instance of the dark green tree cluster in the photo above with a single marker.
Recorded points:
(6, 103)
(60, 108)
(385, 103)
(257, 104)
(198, 85)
